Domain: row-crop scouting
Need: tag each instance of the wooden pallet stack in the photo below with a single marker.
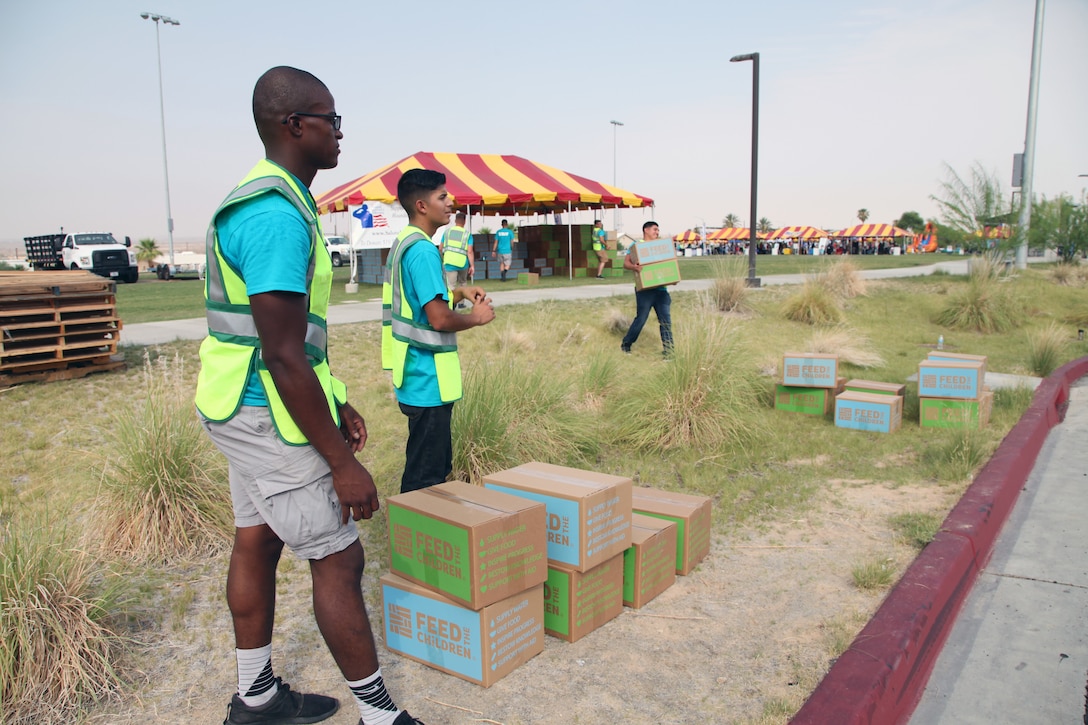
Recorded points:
(56, 326)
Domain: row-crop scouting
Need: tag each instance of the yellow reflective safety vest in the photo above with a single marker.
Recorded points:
(232, 349)
(455, 248)
(598, 239)
(402, 327)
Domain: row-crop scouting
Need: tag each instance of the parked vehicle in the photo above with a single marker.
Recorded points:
(98, 252)
(339, 249)
(186, 264)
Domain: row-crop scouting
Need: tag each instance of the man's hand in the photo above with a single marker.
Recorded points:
(474, 295)
(356, 490)
(482, 312)
(353, 427)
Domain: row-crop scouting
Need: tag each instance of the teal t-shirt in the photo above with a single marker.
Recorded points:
(598, 239)
(423, 281)
(268, 242)
(505, 239)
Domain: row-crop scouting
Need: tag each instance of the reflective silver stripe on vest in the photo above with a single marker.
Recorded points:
(411, 330)
(457, 240)
(241, 324)
(216, 288)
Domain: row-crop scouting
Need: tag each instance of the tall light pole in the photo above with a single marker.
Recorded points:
(162, 117)
(616, 211)
(1029, 141)
(753, 280)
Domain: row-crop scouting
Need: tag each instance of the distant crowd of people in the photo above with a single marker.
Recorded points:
(834, 246)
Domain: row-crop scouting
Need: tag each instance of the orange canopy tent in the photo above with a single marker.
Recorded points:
(873, 230)
(797, 233)
(732, 233)
(490, 183)
(689, 236)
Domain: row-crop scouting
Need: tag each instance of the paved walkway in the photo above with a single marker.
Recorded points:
(156, 333)
(1018, 652)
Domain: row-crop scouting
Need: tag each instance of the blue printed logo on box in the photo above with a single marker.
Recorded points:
(949, 380)
(437, 632)
(564, 531)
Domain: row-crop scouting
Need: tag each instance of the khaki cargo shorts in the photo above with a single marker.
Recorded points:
(287, 487)
(602, 255)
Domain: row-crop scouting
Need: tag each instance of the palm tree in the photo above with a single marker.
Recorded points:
(731, 220)
(147, 251)
(863, 214)
(764, 226)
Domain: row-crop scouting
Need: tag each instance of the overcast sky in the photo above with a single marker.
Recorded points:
(862, 102)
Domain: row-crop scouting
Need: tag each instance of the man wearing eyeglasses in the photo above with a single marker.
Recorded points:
(269, 402)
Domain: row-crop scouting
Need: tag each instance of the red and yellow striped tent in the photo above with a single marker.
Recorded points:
(797, 233)
(873, 230)
(689, 236)
(491, 183)
(727, 234)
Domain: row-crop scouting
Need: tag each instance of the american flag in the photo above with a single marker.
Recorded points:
(380, 220)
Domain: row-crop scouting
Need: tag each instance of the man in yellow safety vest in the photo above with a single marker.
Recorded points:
(269, 403)
(457, 255)
(419, 329)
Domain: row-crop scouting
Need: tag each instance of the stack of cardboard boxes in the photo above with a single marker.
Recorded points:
(659, 265)
(809, 384)
(465, 592)
(546, 250)
(952, 391)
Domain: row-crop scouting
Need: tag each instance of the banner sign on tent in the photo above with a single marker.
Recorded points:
(375, 225)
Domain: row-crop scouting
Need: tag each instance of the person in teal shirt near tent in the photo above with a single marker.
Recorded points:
(599, 238)
(504, 248)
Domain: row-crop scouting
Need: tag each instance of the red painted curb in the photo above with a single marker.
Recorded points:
(882, 675)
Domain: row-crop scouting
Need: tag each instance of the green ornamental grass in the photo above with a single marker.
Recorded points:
(813, 304)
(1046, 349)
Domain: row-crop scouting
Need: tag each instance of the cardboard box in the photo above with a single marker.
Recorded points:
(691, 514)
(941, 379)
(810, 401)
(657, 274)
(467, 543)
(576, 603)
(864, 411)
(589, 513)
(479, 646)
(953, 413)
(942, 356)
(528, 278)
(810, 370)
(658, 250)
(649, 565)
(874, 387)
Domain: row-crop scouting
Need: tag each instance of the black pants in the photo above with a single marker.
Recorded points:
(428, 457)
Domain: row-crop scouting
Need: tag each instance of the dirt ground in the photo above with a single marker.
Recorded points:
(744, 638)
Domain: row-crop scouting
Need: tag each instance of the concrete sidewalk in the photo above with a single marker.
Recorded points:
(1018, 651)
(370, 310)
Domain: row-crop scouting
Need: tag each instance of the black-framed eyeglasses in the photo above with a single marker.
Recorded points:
(332, 118)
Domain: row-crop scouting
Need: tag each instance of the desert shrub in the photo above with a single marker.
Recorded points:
(988, 265)
(813, 304)
(163, 490)
(957, 457)
(701, 397)
(729, 289)
(1065, 274)
(1046, 349)
(986, 305)
(916, 528)
(851, 346)
(616, 322)
(842, 280)
(57, 651)
(1015, 400)
(513, 411)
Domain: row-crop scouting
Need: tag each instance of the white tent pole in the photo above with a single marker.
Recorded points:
(570, 246)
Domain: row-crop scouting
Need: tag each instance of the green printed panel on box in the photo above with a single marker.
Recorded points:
(681, 534)
(658, 274)
(949, 413)
(579, 272)
(432, 551)
(794, 399)
(557, 601)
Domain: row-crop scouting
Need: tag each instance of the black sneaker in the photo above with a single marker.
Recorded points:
(403, 719)
(626, 349)
(600, 276)
(286, 708)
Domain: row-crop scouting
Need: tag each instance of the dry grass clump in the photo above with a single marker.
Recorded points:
(163, 490)
(850, 345)
(842, 280)
(701, 398)
(986, 305)
(56, 651)
(813, 304)
(989, 265)
(1046, 349)
(1066, 274)
(515, 411)
(515, 341)
(616, 322)
(729, 292)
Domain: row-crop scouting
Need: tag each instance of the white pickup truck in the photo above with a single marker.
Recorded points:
(339, 249)
(98, 252)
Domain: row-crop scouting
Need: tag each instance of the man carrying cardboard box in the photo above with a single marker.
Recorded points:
(656, 298)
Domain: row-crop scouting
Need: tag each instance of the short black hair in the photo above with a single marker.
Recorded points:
(598, 221)
(414, 184)
(281, 91)
(460, 215)
(504, 222)
(647, 225)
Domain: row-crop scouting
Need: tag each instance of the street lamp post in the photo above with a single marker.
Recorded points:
(155, 17)
(615, 212)
(753, 280)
